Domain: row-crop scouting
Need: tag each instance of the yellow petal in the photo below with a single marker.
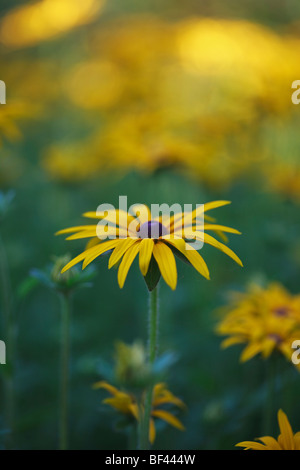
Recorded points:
(135, 411)
(76, 229)
(112, 232)
(141, 213)
(92, 242)
(250, 351)
(83, 234)
(212, 241)
(179, 218)
(232, 341)
(192, 255)
(119, 251)
(126, 262)
(166, 263)
(83, 255)
(121, 402)
(297, 440)
(110, 388)
(215, 204)
(169, 418)
(252, 445)
(99, 250)
(221, 228)
(152, 431)
(168, 397)
(200, 211)
(270, 442)
(118, 217)
(158, 389)
(222, 236)
(146, 250)
(286, 431)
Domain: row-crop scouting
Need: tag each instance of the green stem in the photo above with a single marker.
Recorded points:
(270, 395)
(152, 352)
(64, 369)
(9, 331)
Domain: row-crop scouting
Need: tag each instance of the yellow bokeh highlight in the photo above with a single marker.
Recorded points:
(28, 25)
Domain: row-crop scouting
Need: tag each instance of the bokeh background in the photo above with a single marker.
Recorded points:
(168, 101)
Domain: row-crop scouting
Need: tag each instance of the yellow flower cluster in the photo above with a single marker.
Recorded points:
(266, 319)
(30, 24)
(127, 404)
(194, 95)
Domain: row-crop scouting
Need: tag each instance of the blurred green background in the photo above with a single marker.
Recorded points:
(159, 102)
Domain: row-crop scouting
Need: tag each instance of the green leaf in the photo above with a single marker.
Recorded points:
(179, 255)
(164, 362)
(42, 277)
(153, 275)
(27, 286)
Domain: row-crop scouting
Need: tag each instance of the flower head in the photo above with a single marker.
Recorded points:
(265, 319)
(287, 440)
(127, 404)
(131, 366)
(153, 238)
(52, 277)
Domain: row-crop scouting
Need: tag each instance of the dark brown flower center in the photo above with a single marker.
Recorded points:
(276, 338)
(282, 311)
(152, 229)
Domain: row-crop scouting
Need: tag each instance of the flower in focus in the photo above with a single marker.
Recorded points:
(287, 440)
(267, 320)
(153, 238)
(127, 404)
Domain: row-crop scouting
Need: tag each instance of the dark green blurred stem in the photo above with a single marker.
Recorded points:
(64, 369)
(8, 324)
(152, 352)
(269, 406)
(132, 437)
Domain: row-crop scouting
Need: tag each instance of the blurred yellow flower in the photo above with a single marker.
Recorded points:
(65, 162)
(251, 62)
(131, 363)
(10, 116)
(170, 237)
(283, 177)
(286, 440)
(193, 95)
(29, 24)
(127, 404)
(267, 320)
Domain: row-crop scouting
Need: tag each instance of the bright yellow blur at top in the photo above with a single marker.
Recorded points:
(203, 96)
(29, 24)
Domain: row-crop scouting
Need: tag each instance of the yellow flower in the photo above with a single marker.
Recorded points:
(286, 440)
(266, 319)
(283, 177)
(171, 237)
(131, 363)
(47, 19)
(127, 404)
(10, 116)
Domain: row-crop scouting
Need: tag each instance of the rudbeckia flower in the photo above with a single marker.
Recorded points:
(156, 252)
(287, 440)
(126, 403)
(266, 320)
